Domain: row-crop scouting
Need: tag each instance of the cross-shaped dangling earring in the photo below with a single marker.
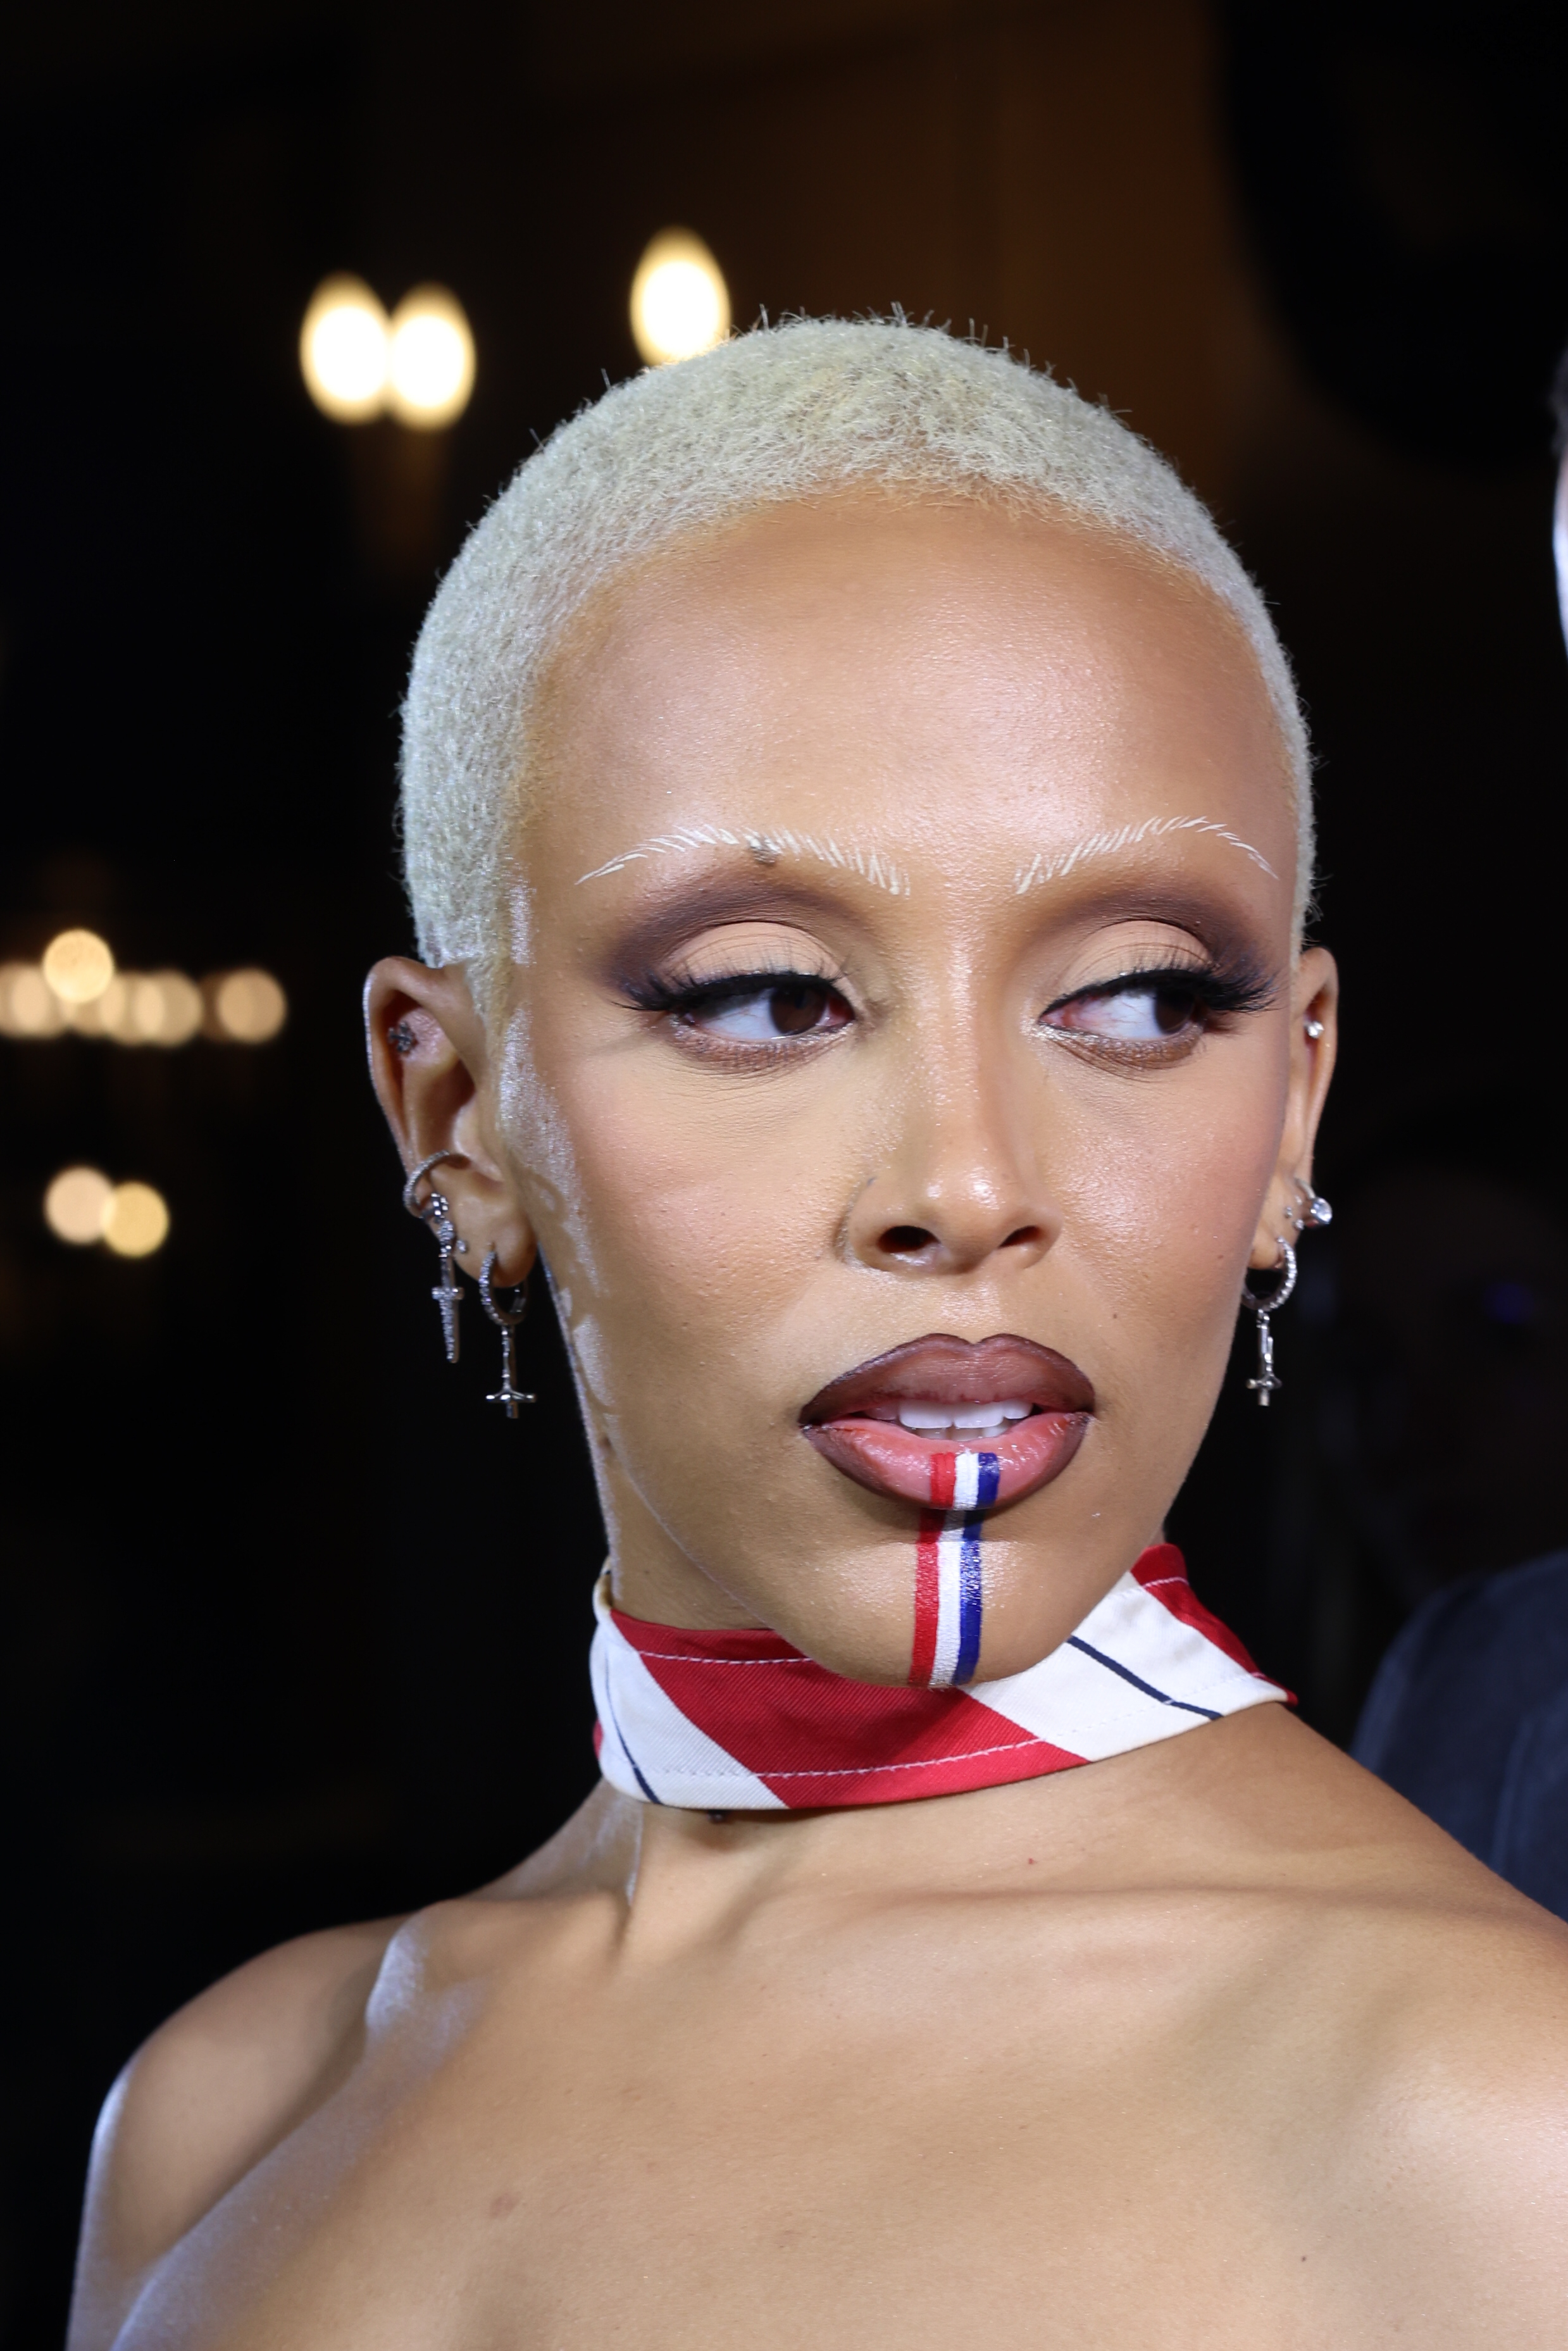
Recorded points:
(434, 1211)
(505, 1320)
(1267, 1382)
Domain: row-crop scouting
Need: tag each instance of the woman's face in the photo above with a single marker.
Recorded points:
(907, 968)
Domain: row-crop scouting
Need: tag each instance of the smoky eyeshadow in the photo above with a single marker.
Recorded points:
(663, 929)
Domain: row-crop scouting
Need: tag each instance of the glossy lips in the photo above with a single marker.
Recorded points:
(853, 1422)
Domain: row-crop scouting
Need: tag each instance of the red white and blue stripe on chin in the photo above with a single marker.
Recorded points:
(949, 1580)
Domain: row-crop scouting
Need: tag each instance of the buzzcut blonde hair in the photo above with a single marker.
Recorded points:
(783, 413)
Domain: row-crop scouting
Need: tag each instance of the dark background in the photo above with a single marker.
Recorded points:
(293, 1629)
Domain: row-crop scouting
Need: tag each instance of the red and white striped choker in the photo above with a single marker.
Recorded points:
(743, 1722)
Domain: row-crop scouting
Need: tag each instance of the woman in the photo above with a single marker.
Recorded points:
(857, 821)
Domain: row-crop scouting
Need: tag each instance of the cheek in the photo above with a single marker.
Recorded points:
(1165, 1216)
(689, 1233)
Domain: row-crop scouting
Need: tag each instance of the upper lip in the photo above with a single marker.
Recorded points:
(942, 1369)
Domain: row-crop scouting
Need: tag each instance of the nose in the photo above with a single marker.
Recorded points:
(963, 1183)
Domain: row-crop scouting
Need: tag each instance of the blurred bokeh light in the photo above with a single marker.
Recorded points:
(248, 1007)
(78, 966)
(92, 1018)
(76, 1204)
(680, 303)
(343, 351)
(172, 1004)
(28, 1005)
(430, 368)
(159, 1007)
(136, 1221)
(162, 1007)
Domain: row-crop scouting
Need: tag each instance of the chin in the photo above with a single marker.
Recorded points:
(854, 1604)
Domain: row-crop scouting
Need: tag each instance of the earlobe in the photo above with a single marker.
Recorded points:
(1268, 1243)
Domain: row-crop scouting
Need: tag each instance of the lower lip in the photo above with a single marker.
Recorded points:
(896, 1461)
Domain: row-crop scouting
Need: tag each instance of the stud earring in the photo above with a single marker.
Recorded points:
(1314, 1030)
(505, 1320)
(1315, 1212)
(434, 1211)
(1268, 1379)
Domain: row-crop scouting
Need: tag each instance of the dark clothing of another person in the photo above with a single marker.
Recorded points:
(1468, 1718)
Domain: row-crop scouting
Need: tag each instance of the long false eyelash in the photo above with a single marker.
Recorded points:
(1225, 984)
(649, 992)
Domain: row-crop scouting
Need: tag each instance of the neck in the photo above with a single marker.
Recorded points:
(1142, 1821)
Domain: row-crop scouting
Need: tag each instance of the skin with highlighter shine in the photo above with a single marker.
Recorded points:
(1214, 2043)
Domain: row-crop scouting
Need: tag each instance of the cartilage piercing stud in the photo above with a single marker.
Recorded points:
(1314, 1211)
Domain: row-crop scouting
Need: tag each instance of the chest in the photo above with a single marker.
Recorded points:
(719, 2168)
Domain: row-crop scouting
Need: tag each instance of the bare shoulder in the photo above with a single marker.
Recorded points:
(1463, 2143)
(230, 2076)
(213, 2090)
(1445, 1998)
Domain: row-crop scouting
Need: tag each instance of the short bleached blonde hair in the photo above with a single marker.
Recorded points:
(787, 413)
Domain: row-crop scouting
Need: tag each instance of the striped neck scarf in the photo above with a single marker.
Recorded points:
(743, 1722)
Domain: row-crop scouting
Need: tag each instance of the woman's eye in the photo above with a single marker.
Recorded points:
(1133, 1015)
(785, 1008)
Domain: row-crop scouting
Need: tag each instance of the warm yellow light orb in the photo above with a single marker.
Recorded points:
(75, 1205)
(179, 1008)
(249, 1006)
(343, 347)
(144, 1021)
(680, 303)
(28, 1005)
(136, 1221)
(430, 359)
(87, 1019)
(77, 966)
(114, 1008)
(121, 1008)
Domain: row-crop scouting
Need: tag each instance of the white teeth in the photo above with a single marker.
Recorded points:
(962, 1419)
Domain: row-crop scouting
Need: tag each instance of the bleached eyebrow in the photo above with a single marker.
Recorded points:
(767, 847)
(1042, 869)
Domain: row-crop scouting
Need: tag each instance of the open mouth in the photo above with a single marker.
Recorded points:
(951, 1423)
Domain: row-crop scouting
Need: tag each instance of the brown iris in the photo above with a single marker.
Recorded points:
(799, 1007)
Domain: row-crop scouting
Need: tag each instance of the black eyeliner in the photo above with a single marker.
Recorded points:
(1233, 986)
(650, 993)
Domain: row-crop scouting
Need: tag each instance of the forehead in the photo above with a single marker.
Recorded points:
(866, 664)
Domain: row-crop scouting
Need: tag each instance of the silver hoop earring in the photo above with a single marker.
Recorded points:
(434, 1211)
(505, 1320)
(1267, 1380)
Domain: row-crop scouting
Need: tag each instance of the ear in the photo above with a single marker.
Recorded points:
(428, 1062)
(1314, 1003)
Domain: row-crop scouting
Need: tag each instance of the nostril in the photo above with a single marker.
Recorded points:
(906, 1241)
(1026, 1236)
